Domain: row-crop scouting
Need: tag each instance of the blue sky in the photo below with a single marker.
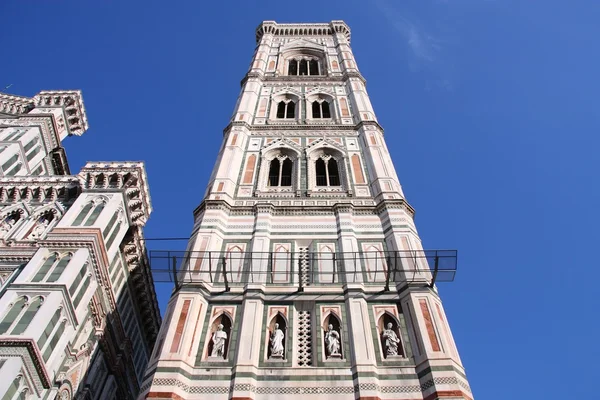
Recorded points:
(490, 113)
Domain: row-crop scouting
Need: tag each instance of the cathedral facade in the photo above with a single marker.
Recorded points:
(304, 277)
(78, 311)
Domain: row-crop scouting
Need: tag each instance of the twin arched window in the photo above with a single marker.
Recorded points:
(303, 67)
(320, 109)
(280, 171)
(84, 215)
(20, 315)
(286, 109)
(326, 171)
(52, 268)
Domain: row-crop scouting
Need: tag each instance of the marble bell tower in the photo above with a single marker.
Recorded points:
(304, 277)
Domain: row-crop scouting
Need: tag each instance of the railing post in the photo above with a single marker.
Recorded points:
(210, 267)
(435, 270)
(174, 271)
(387, 275)
(224, 261)
(334, 269)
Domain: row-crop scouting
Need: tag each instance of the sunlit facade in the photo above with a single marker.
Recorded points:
(78, 311)
(304, 277)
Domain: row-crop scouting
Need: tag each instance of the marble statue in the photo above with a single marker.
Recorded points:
(277, 342)
(219, 338)
(332, 340)
(391, 340)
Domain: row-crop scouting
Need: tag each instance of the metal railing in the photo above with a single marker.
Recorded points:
(303, 268)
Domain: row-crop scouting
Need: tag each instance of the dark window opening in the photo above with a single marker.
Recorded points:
(313, 67)
(274, 173)
(321, 172)
(320, 110)
(291, 106)
(316, 109)
(281, 110)
(286, 173)
(334, 176)
(325, 110)
(303, 70)
(293, 67)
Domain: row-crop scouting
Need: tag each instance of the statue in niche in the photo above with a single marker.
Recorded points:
(277, 342)
(332, 339)
(391, 340)
(219, 338)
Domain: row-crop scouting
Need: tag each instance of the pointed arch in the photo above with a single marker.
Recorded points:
(277, 322)
(382, 324)
(225, 319)
(12, 314)
(27, 316)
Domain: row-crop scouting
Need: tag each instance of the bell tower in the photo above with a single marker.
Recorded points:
(304, 276)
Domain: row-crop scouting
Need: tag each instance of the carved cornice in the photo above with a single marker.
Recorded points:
(15, 105)
(32, 359)
(71, 101)
(129, 177)
(134, 252)
(295, 30)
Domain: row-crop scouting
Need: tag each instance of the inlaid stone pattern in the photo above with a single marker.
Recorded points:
(304, 339)
(303, 265)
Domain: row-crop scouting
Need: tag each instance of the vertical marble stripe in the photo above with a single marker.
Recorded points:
(435, 345)
(180, 324)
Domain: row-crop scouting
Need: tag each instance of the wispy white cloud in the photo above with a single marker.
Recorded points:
(425, 48)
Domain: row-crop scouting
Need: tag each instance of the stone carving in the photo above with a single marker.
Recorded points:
(391, 340)
(7, 224)
(277, 342)
(40, 227)
(219, 338)
(332, 340)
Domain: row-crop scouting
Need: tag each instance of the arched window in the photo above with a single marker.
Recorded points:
(15, 170)
(12, 389)
(45, 268)
(9, 163)
(82, 214)
(313, 67)
(293, 67)
(95, 214)
(280, 171)
(54, 341)
(327, 172)
(59, 269)
(27, 317)
(286, 109)
(49, 328)
(320, 109)
(303, 67)
(12, 315)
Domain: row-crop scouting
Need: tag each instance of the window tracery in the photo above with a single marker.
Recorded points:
(304, 66)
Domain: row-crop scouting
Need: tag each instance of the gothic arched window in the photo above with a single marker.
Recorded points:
(327, 172)
(286, 109)
(293, 67)
(303, 66)
(280, 171)
(27, 317)
(12, 315)
(313, 67)
(320, 109)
